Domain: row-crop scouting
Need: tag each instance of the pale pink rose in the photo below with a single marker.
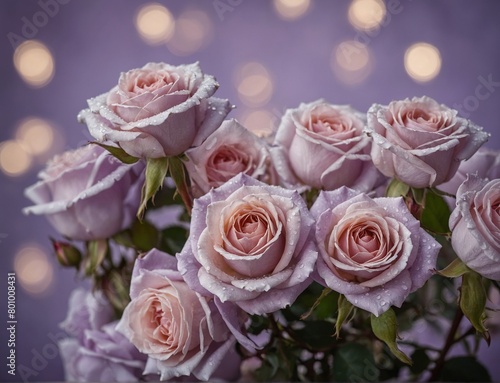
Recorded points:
(157, 111)
(230, 150)
(485, 163)
(371, 250)
(421, 142)
(87, 193)
(321, 145)
(250, 244)
(181, 331)
(475, 225)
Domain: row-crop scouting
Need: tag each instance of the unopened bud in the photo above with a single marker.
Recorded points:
(67, 255)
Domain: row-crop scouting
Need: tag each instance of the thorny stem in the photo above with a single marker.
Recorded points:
(450, 341)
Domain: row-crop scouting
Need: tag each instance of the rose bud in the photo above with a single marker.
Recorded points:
(67, 254)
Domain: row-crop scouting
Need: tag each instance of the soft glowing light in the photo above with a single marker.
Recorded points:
(154, 23)
(193, 30)
(260, 122)
(351, 62)
(291, 9)
(15, 158)
(33, 269)
(366, 14)
(34, 63)
(422, 62)
(36, 134)
(254, 84)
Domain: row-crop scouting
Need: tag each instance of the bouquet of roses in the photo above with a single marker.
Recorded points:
(304, 255)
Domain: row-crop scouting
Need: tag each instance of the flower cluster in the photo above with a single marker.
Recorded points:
(331, 224)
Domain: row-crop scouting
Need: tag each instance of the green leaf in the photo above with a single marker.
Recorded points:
(344, 310)
(303, 303)
(455, 269)
(268, 369)
(419, 196)
(173, 239)
(156, 171)
(420, 361)
(385, 328)
(124, 238)
(443, 193)
(316, 334)
(326, 291)
(464, 369)
(354, 363)
(436, 214)
(96, 253)
(473, 301)
(178, 174)
(397, 188)
(144, 235)
(119, 153)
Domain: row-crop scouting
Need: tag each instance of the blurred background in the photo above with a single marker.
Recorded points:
(267, 55)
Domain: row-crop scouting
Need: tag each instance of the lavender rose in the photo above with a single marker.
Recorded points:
(103, 356)
(230, 150)
(323, 146)
(87, 194)
(87, 311)
(249, 244)
(181, 331)
(485, 163)
(421, 142)
(371, 250)
(475, 225)
(157, 111)
(95, 352)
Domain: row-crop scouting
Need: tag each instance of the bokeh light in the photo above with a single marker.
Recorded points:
(154, 23)
(193, 30)
(291, 9)
(351, 62)
(33, 269)
(254, 84)
(36, 134)
(34, 63)
(422, 62)
(261, 122)
(366, 15)
(15, 158)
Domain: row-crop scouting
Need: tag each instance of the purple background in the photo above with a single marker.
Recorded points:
(93, 41)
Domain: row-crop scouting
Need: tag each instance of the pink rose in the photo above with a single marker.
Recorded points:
(485, 163)
(323, 146)
(181, 331)
(421, 142)
(250, 245)
(475, 225)
(371, 250)
(157, 111)
(87, 193)
(230, 150)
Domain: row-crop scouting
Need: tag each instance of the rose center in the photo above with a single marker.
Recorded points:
(328, 126)
(151, 81)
